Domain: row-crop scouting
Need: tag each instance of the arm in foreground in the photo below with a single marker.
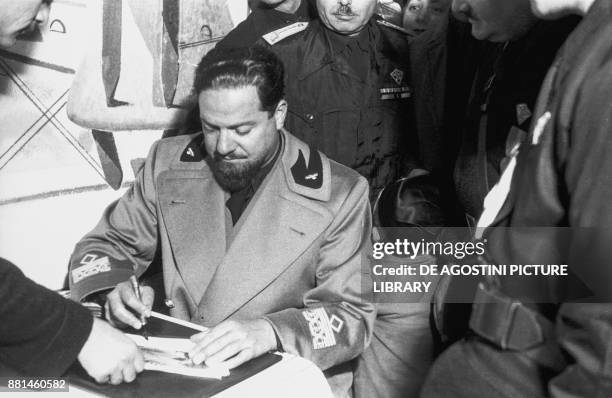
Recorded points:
(42, 334)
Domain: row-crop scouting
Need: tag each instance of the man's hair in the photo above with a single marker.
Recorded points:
(243, 67)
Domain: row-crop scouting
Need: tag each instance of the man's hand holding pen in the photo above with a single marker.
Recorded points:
(129, 304)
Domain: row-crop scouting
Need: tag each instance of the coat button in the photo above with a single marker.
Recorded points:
(309, 117)
(169, 303)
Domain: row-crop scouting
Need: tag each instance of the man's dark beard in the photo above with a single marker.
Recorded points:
(234, 176)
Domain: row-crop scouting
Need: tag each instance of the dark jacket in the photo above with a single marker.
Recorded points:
(543, 335)
(504, 93)
(466, 120)
(41, 333)
(366, 124)
(429, 58)
(444, 61)
(563, 178)
(261, 21)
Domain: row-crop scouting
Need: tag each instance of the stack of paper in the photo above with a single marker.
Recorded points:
(170, 355)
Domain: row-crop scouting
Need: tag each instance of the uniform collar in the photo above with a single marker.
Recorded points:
(307, 171)
(320, 52)
(340, 42)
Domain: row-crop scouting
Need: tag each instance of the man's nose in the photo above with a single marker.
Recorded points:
(344, 2)
(422, 17)
(225, 143)
(461, 10)
(43, 14)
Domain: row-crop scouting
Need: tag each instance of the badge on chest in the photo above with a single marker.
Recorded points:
(395, 86)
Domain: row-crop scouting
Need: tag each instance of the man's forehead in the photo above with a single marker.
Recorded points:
(230, 105)
(247, 93)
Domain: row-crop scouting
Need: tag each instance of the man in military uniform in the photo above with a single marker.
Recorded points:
(508, 74)
(261, 237)
(474, 96)
(471, 120)
(266, 16)
(549, 336)
(348, 88)
(349, 95)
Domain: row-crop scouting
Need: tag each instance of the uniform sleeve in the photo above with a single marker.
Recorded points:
(585, 329)
(124, 241)
(336, 322)
(41, 333)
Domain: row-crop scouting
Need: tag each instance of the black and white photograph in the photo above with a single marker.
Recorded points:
(306, 198)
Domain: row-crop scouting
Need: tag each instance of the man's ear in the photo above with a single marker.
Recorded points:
(280, 113)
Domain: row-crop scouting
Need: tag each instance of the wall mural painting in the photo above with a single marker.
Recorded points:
(102, 72)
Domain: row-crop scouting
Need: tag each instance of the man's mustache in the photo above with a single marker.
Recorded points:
(344, 10)
(221, 158)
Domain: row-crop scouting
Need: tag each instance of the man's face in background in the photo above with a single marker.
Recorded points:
(420, 15)
(496, 20)
(21, 16)
(347, 17)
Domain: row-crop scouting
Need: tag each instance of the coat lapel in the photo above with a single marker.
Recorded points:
(193, 209)
(276, 228)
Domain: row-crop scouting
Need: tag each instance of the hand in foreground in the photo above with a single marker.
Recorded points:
(232, 343)
(122, 299)
(109, 356)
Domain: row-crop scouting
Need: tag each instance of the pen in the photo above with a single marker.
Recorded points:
(143, 319)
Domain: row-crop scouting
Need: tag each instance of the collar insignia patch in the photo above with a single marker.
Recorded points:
(193, 151)
(308, 175)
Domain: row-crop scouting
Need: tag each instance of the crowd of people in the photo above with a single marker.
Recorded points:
(320, 123)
